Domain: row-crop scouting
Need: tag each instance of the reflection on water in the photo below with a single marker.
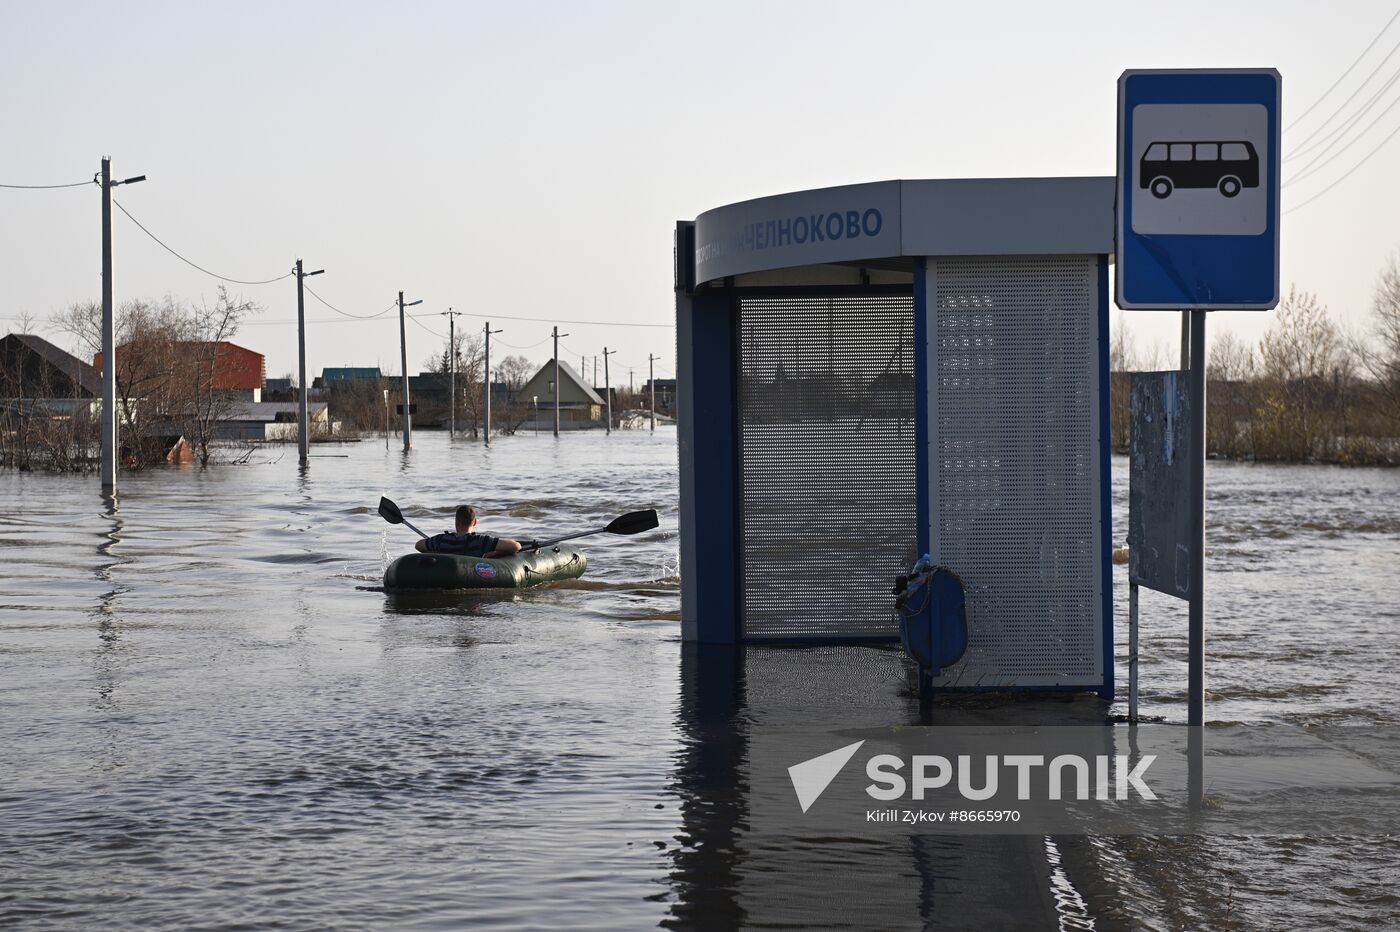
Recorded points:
(214, 714)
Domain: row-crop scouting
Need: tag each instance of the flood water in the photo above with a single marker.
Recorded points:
(214, 717)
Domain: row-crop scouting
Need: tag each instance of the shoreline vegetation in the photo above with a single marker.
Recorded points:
(1310, 391)
(169, 403)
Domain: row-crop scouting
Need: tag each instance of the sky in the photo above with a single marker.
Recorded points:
(529, 160)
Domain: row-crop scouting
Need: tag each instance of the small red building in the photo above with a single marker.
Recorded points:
(236, 368)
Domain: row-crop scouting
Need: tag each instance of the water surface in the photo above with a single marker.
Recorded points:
(213, 717)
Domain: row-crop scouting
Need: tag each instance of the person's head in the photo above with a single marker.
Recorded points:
(466, 519)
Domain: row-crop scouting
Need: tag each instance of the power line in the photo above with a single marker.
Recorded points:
(1315, 166)
(1350, 67)
(1359, 88)
(440, 336)
(225, 278)
(47, 187)
(279, 321)
(531, 346)
(562, 320)
(1336, 135)
(1347, 174)
(347, 313)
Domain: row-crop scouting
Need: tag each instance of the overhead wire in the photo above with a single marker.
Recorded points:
(236, 281)
(1315, 166)
(1347, 174)
(1352, 96)
(441, 336)
(1331, 139)
(500, 342)
(1300, 117)
(562, 320)
(48, 187)
(373, 316)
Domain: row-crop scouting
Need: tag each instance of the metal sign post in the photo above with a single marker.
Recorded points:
(1197, 230)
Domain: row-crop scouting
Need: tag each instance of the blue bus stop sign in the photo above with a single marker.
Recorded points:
(1198, 190)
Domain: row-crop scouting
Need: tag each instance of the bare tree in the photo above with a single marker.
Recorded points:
(204, 403)
(1380, 353)
(1230, 366)
(1307, 373)
(467, 348)
(147, 378)
(166, 367)
(1122, 360)
(515, 371)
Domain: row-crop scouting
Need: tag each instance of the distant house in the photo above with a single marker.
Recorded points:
(349, 374)
(579, 405)
(278, 390)
(665, 395)
(34, 372)
(238, 371)
(270, 420)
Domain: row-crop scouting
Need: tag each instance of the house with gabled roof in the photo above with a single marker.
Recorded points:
(35, 373)
(579, 405)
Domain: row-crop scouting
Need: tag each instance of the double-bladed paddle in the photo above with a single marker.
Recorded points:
(634, 522)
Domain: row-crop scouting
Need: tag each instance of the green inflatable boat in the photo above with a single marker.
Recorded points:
(448, 571)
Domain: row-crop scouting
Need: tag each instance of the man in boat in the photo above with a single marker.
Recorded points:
(466, 542)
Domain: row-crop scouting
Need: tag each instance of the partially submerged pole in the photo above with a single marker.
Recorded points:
(109, 350)
(403, 361)
(303, 422)
(607, 391)
(403, 364)
(1196, 635)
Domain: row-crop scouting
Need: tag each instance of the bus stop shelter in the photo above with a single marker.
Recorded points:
(871, 372)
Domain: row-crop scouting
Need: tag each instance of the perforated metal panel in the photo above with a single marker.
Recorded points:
(1014, 471)
(826, 401)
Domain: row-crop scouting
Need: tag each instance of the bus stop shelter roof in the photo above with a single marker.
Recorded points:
(886, 220)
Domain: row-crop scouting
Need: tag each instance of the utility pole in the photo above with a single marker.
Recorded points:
(607, 389)
(109, 348)
(486, 366)
(403, 361)
(651, 375)
(451, 316)
(303, 423)
(557, 386)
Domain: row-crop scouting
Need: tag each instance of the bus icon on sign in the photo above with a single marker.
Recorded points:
(1226, 166)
